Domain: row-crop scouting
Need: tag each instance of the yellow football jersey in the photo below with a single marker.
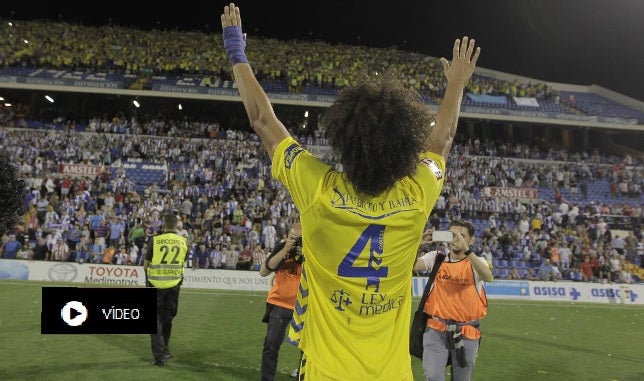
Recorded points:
(354, 302)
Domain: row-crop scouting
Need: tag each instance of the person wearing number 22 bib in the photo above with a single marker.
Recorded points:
(361, 226)
(164, 265)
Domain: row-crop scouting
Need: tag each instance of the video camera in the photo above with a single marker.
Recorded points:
(294, 254)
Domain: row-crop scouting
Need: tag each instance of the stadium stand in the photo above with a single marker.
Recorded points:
(230, 166)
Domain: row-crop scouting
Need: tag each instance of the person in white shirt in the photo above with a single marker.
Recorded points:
(524, 225)
(565, 255)
(134, 255)
(122, 256)
(487, 254)
(270, 235)
(615, 263)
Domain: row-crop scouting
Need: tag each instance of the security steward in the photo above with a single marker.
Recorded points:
(164, 265)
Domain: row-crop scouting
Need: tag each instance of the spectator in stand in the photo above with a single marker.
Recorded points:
(25, 252)
(595, 265)
(254, 237)
(556, 273)
(60, 251)
(575, 275)
(108, 203)
(101, 235)
(487, 254)
(535, 259)
(136, 235)
(116, 231)
(553, 253)
(586, 269)
(531, 274)
(96, 253)
(231, 256)
(565, 256)
(11, 247)
(537, 222)
(74, 236)
(39, 249)
(83, 250)
(52, 218)
(216, 255)
(604, 269)
(618, 243)
(523, 225)
(625, 276)
(108, 255)
(200, 256)
(122, 256)
(546, 271)
(259, 257)
(135, 254)
(269, 234)
(630, 247)
(514, 274)
(616, 267)
(245, 259)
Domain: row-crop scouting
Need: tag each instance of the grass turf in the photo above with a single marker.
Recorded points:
(218, 335)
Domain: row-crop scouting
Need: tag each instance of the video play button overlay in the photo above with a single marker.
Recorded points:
(74, 313)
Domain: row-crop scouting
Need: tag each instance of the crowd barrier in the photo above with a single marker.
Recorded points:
(98, 275)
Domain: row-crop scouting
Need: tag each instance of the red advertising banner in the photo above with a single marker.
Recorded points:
(83, 169)
(514, 192)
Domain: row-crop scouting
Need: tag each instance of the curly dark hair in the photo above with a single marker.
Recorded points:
(11, 194)
(378, 128)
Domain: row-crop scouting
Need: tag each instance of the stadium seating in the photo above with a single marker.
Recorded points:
(142, 174)
(587, 103)
(593, 104)
(500, 273)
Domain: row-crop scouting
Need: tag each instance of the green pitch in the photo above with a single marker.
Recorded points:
(218, 335)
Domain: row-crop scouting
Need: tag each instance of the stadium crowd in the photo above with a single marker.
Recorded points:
(219, 180)
(299, 63)
(233, 212)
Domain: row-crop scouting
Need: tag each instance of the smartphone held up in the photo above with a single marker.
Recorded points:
(442, 236)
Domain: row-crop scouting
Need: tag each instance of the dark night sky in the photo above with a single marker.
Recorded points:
(571, 41)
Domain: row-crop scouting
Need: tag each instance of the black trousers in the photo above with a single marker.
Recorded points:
(278, 321)
(167, 306)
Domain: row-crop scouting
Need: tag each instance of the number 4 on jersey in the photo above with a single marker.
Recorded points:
(372, 235)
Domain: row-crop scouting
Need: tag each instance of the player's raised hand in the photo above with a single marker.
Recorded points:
(234, 39)
(464, 57)
(231, 16)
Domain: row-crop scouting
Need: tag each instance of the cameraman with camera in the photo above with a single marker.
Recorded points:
(286, 262)
(455, 304)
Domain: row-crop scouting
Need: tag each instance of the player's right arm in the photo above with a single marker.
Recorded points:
(457, 73)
